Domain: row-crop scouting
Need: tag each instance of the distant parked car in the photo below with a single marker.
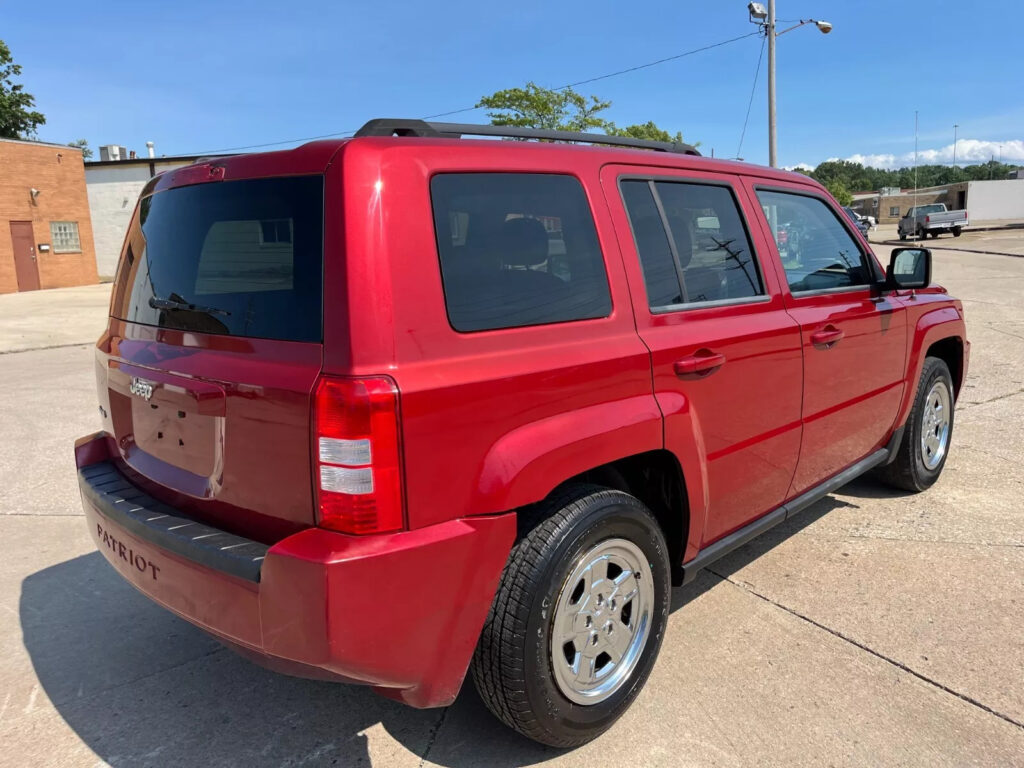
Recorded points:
(857, 219)
(933, 219)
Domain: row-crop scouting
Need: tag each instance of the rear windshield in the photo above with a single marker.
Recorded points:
(237, 258)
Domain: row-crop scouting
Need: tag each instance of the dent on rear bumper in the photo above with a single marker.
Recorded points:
(401, 612)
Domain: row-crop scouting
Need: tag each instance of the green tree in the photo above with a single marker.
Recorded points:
(17, 118)
(839, 191)
(83, 145)
(647, 131)
(537, 107)
(563, 110)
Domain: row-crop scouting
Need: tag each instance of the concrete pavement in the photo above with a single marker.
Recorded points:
(873, 629)
(54, 318)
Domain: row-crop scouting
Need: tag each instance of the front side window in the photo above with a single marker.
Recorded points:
(517, 249)
(692, 243)
(817, 251)
(64, 236)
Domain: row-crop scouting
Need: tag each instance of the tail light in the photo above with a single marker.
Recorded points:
(927, 219)
(358, 471)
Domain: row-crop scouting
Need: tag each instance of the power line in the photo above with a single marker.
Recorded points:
(753, 88)
(659, 61)
(473, 108)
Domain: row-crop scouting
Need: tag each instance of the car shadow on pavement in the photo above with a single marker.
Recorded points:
(140, 686)
(752, 550)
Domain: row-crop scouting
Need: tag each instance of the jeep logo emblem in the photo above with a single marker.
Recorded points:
(141, 387)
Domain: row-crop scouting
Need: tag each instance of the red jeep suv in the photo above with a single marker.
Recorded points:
(387, 409)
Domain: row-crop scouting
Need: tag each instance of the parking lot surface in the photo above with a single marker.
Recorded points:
(875, 628)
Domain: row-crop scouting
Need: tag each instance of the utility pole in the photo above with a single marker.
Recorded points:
(770, 31)
(915, 169)
(955, 173)
(765, 18)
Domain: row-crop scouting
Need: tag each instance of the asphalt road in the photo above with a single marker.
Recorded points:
(873, 629)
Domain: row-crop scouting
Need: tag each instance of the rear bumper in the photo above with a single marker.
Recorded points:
(400, 612)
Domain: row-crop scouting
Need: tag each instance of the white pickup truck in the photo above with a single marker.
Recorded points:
(934, 219)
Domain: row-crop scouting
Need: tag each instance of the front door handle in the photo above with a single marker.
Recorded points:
(703, 362)
(826, 337)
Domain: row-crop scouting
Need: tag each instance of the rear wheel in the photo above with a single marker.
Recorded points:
(956, 231)
(578, 619)
(922, 452)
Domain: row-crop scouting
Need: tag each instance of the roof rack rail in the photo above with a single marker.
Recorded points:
(402, 127)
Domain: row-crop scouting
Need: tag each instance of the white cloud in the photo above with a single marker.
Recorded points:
(967, 151)
(875, 161)
(799, 167)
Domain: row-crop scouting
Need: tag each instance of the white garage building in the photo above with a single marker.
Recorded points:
(113, 185)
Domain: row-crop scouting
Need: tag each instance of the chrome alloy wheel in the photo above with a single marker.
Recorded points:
(935, 418)
(602, 620)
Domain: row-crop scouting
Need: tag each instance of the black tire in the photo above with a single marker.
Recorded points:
(908, 470)
(956, 231)
(903, 236)
(512, 665)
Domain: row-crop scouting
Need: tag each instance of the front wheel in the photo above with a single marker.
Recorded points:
(925, 446)
(578, 618)
(903, 236)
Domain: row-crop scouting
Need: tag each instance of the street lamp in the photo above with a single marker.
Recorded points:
(765, 18)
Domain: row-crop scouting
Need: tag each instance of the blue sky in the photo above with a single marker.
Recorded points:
(203, 76)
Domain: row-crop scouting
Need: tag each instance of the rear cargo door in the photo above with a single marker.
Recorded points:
(214, 348)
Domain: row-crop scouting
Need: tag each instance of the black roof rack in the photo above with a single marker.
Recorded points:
(401, 127)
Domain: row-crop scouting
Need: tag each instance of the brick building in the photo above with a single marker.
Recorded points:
(45, 230)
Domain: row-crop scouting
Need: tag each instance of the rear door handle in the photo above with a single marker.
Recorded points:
(703, 361)
(826, 337)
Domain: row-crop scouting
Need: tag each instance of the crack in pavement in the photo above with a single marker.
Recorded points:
(847, 536)
(42, 514)
(990, 400)
(51, 346)
(147, 675)
(899, 665)
(433, 737)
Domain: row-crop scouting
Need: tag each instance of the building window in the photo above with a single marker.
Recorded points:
(275, 231)
(894, 211)
(64, 236)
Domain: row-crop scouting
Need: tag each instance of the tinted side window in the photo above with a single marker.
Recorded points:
(656, 260)
(816, 250)
(705, 254)
(714, 251)
(517, 249)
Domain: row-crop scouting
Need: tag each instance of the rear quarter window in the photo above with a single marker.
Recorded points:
(517, 249)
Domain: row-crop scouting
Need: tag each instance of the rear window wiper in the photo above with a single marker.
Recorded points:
(175, 302)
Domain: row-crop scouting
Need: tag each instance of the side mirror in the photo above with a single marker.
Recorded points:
(909, 268)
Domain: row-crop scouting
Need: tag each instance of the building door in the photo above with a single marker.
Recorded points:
(25, 255)
(961, 200)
